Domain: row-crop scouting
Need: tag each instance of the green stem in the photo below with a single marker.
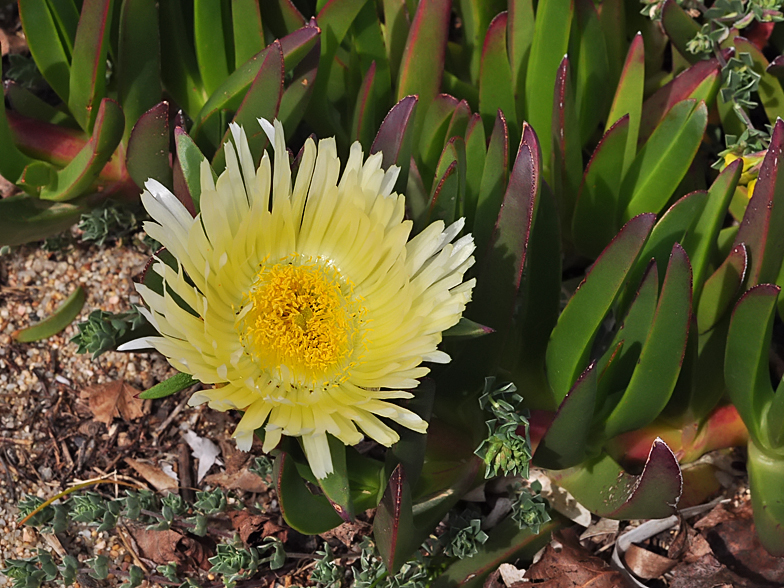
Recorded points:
(766, 481)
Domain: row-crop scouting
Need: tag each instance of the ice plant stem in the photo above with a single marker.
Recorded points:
(766, 482)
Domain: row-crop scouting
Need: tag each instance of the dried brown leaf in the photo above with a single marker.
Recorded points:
(244, 480)
(646, 564)
(114, 399)
(571, 567)
(253, 528)
(169, 546)
(154, 475)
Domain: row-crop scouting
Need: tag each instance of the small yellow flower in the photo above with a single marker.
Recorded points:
(306, 304)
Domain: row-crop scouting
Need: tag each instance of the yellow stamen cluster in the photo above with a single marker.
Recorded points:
(303, 316)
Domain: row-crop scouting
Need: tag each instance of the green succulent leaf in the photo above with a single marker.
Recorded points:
(187, 167)
(76, 178)
(51, 52)
(25, 218)
(433, 135)
(520, 35)
(247, 30)
(61, 318)
(12, 161)
(492, 185)
(605, 489)
(363, 123)
(87, 86)
(722, 289)
(657, 370)
(763, 221)
(628, 99)
(476, 152)
(169, 386)
(495, 77)
(212, 46)
(664, 159)
(579, 323)
(550, 43)
(447, 193)
(680, 28)
(766, 476)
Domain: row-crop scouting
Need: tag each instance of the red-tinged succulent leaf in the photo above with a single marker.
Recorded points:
(467, 329)
(77, 177)
(549, 45)
(766, 478)
(657, 369)
(520, 35)
(770, 92)
(232, 91)
(261, 101)
(51, 56)
(567, 158)
(746, 359)
(364, 110)
(776, 67)
(87, 85)
(597, 207)
(664, 159)
(304, 512)
(211, 44)
(180, 71)
(504, 259)
(578, 324)
(396, 24)
(445, 199)
(680, 28)
(538, 307)
(722, 428)
(476, 151)
(619, 361)
(763, 223)
(671, 228)
(432, 136)
(505, 543)
(605, 489)
(282, 17)
(54, 144)
(394, 138)
(297, 96)
(613, 19)
(138, 68)
(700, 82)
(722, 289)
(565, 444)
(248, 32)
(148, 148)
(422, 63)
(187, 181)
(59, 320)
(628, 98)
(458, 124)
(492, 185)
(700, 241)
(393, 526)
(588, 53)
(495, 77)
(24, 218)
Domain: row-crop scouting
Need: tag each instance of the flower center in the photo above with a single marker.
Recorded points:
(301, 320)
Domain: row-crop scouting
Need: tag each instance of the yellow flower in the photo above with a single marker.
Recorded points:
(306, 304)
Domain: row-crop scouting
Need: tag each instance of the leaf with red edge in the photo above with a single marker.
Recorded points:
(138, 69)
(495, 77)
(446, 197)
(393, 526)
(573, 336)
(52, 57)
(565, 443)
(297, 95)
(432, 137)
(77, 177)
(364, 110)
(503, 260)
(628, 98)
(567, 158)
(722, 289)
(261, 101)
(394, 138)
(492, 185)
(87, 86)
(680, 28)
(700, 82)
(422, 63)
(148, 147)
(660, 361)
(763, 222)
(605, 489)
(597, 206)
